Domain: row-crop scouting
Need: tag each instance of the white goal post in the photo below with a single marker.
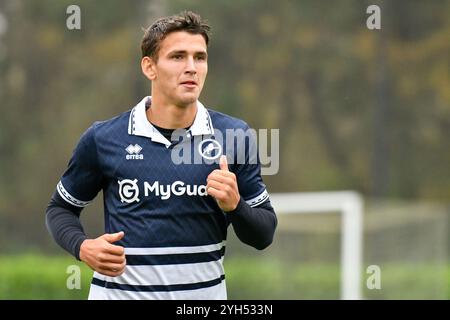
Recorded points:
(350, 205)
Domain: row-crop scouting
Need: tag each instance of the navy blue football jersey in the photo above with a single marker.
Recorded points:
(155, 191)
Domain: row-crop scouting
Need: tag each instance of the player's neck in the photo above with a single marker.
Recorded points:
(171, 116)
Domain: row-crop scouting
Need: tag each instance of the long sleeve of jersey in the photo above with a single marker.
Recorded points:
(63, 223)
(254, 226)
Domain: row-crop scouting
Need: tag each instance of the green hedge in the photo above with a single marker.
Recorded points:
(45, 277)
(40, 277)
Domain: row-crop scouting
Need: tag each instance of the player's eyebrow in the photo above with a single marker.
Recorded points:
(183, 52)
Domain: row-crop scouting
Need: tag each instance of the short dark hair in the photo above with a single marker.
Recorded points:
(185, 21)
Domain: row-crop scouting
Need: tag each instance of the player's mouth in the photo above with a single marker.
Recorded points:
(189, 84)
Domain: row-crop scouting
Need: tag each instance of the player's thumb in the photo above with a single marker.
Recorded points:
(113, 237)
(223, 163)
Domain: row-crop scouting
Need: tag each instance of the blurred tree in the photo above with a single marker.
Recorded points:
(357, 109)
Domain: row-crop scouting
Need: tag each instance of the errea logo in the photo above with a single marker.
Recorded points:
(134, 152)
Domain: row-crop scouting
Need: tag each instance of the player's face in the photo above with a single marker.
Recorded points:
(181, 69)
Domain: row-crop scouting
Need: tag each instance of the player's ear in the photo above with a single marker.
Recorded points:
(148, 68)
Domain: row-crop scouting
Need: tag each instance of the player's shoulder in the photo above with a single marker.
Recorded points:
(105, 130)
(111, 127)
(221, 120)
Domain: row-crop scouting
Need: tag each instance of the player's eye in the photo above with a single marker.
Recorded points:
(177, 57)
(200, 58)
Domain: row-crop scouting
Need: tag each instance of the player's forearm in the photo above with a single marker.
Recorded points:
(64, 225)
(254, 226)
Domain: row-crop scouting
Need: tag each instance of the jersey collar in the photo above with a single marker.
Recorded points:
(139, 125)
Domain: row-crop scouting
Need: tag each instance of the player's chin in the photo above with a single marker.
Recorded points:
(188, 98)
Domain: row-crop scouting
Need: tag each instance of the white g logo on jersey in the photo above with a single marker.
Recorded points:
(128, 190)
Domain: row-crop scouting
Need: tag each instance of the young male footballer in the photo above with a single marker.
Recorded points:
(165, 220)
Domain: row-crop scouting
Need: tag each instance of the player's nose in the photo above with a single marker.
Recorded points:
(190, 66)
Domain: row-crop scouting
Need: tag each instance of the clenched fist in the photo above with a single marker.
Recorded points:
(103, 256)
